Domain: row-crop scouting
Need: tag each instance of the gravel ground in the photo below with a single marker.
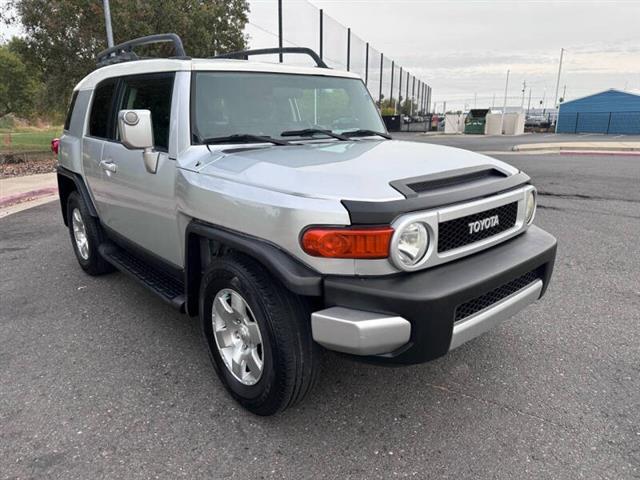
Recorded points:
(28, 167)
(98, 379)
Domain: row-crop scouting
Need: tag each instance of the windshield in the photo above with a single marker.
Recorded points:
(267, 104)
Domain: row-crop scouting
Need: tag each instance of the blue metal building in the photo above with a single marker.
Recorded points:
(611, 111)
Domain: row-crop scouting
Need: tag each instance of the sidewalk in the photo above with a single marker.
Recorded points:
(20, 193)
(629, 148)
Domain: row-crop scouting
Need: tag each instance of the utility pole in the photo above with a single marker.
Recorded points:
(529, 104)
(107, 22)
(504, 107)
(555, 99)
(524, 88)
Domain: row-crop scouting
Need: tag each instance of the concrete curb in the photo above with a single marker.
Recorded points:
(626, 153)
(579, 146)
(29, 195)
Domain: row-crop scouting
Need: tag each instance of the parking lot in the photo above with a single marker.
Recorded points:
(99, 379)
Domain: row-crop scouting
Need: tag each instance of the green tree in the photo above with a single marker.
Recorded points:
(62, 37)
(406, 109)
(18, 88)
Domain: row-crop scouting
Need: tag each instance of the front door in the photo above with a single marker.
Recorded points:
(136, 204)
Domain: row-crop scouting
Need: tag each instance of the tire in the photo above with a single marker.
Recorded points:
(88, 256)
(290, 357)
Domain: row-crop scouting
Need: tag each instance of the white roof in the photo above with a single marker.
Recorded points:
(200, 64)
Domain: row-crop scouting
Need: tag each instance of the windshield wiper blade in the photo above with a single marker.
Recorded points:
(366, 133)
(309, 132)
(243, 138)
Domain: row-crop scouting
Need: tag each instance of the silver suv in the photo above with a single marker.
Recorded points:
(269, 201)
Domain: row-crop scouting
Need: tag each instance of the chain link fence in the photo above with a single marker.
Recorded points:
(298, 23)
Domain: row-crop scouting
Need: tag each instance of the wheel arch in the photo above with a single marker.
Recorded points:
(68, 182)
(205, 241)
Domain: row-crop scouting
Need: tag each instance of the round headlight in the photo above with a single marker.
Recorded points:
(412, 244)
(530, 207)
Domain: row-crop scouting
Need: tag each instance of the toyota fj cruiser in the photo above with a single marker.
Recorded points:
(269, 201)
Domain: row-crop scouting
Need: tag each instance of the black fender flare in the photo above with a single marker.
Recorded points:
(295, 276)
(80, 186)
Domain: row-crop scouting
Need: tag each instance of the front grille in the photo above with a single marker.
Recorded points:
(457, 233)
(477, 304)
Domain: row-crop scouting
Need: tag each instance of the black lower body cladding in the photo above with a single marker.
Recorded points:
(428, 299)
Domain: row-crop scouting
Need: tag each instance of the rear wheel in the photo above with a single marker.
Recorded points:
(258, 335)
(86, 236)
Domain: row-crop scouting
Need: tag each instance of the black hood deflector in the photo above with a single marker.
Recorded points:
(433, 191)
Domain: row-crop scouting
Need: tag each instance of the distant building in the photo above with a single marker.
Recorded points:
(611, 111)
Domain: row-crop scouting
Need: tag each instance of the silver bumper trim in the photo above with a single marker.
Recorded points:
(477, 324)
(359, 332)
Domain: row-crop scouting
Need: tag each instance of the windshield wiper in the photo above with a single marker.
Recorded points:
(243, 138)
(366, 133)
(310, 132)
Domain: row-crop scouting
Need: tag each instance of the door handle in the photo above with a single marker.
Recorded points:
(109, 166)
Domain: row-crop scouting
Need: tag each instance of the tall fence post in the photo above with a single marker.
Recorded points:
(393, 63)
(348, 49)
(280, 28)
(413, 94)
(399, 109)
(419, 97)
(406, 95)
(424, 98)
(380, 92)
(321, 30)
(366, 65)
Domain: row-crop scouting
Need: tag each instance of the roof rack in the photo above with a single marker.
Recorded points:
(123, 52)
(245, 54)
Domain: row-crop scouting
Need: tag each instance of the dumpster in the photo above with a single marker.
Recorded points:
(476, 119)
(392, 122)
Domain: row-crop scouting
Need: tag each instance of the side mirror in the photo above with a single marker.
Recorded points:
(136, 132)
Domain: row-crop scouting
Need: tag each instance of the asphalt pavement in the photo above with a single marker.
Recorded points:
(99, 379)
(494, 143)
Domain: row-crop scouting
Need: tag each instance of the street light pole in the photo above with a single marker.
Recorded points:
(555, 98)
(107, 22)
(504, 107)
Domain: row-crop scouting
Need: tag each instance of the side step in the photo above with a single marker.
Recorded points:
(170, 289)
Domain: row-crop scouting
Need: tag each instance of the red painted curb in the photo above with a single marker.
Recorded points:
(600, 152)
(32, 194)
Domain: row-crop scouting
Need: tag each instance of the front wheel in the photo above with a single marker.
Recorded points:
(258, 335)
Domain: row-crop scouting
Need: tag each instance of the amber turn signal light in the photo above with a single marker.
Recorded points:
(347, 242)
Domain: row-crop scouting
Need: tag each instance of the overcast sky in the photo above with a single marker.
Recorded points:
(464, 48)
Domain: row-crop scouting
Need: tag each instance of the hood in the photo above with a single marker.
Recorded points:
(354, 170)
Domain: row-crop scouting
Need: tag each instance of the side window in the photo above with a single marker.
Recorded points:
(99, 122)
(72, 104)
(151, 92)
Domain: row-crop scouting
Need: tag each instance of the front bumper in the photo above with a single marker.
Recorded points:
(427, 302)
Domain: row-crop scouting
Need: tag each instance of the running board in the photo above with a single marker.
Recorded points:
(170, 289)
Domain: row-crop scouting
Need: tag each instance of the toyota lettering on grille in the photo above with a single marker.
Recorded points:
(485, 223)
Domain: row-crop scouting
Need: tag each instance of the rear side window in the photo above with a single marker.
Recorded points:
(151, 92)
(72, 104)
(100, 124)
